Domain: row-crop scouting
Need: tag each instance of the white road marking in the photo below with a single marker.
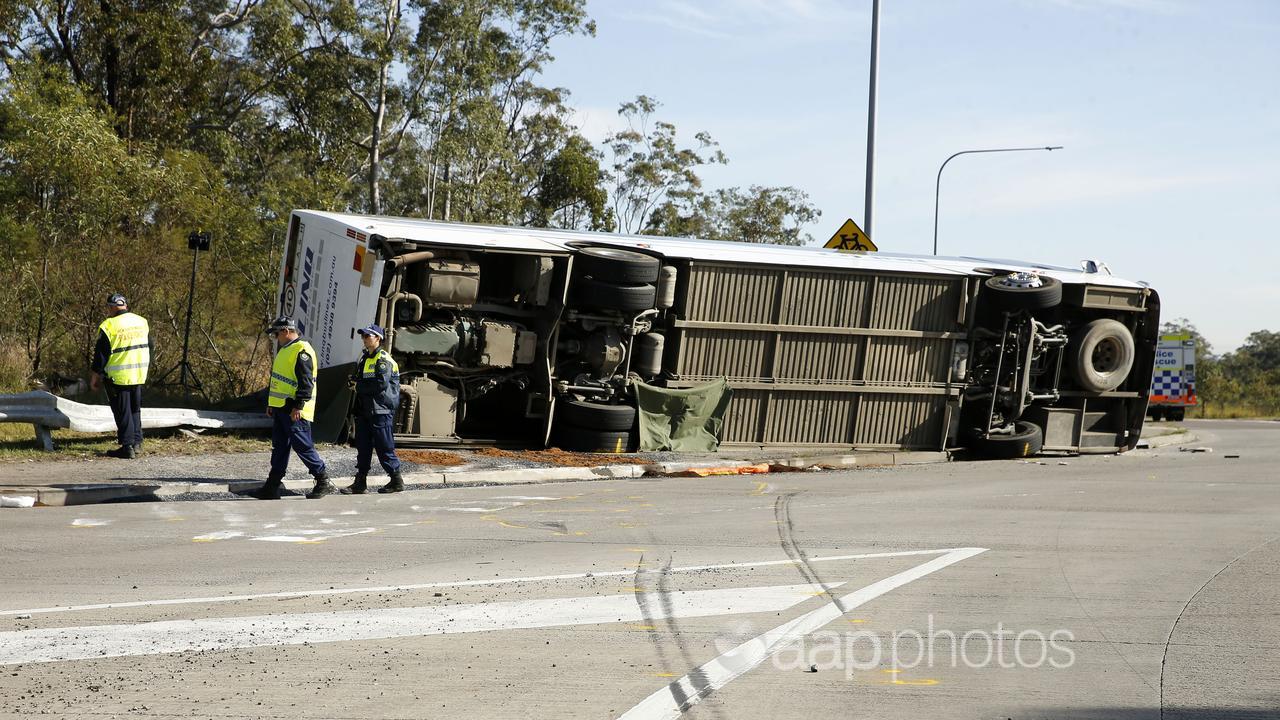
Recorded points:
(458, 583)
(523, 497)
(663, 704)
(89, 522)
(219, 535)
(171, 636)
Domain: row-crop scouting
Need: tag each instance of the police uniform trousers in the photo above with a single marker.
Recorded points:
(289, 434)
(126, 406)
(374, 432)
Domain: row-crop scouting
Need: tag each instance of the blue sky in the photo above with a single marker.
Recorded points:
(1169, 111)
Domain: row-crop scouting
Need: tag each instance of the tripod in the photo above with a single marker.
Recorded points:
(197, 241)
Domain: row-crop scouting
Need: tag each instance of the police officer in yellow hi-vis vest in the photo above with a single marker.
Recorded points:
(291, 403)
(121, 356)
(377, 385)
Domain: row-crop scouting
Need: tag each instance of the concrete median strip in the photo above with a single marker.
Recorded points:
(160, 489)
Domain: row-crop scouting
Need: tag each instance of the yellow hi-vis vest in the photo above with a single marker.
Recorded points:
(370, 369)
(284, 377)
(130, 352)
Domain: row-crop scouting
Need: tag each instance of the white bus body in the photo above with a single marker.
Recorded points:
(494, 328)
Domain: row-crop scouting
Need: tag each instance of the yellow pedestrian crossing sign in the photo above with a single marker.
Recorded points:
(851, 237)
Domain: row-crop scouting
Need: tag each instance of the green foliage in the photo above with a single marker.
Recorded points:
(758, 215)
(1243, 383)
(126, 126)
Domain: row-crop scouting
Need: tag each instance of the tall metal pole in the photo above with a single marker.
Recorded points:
(186, 334)
(937, 186)
(869, 201)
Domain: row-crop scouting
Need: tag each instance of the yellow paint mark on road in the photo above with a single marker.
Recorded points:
(761, 487)
(618, 510)
(504, 523)
(425, 522)
(665, 675)
(630, 525)
(575, 533)
(174, 519)
(923, 682)
(640, 627)
(635, 497)
(856, 621)
(891, 672)
(637, 550)
(308, 542)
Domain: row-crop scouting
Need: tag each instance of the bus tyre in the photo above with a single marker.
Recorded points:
(590, 292)
(568, 437)
(1027, 440)
(1102, 355)
(621, 266)
(583, 414)
(1009, 293)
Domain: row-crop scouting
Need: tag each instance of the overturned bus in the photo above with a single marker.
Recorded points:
(530, 337)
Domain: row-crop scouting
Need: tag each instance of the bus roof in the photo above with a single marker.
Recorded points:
(558, 241)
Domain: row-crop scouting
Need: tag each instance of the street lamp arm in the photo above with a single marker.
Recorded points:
(937, 186)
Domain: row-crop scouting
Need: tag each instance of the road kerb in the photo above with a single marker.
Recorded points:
(99, 493)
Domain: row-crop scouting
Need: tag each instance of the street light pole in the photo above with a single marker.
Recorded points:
(870, 198)
(938, 185)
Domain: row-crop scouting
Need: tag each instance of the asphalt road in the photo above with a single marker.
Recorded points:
(1131, 587)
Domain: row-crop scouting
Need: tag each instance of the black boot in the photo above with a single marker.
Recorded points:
(270, 490)
(323, 487)
(124, 452)
(396, 484)
(359, 486)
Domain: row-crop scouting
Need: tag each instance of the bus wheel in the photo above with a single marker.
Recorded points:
(1103, 355)
(1023, 291)
(622, 266)
(583, 414)
(569, 437)
(608, 296)
(1025, 441)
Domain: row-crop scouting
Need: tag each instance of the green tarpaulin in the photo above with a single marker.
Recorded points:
(689, 420)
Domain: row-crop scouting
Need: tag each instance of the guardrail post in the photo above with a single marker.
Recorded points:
(44, 438)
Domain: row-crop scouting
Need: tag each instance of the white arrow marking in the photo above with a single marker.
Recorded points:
(171, 636)
(671, 701)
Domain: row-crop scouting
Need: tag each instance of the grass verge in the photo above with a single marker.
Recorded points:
(18, 443)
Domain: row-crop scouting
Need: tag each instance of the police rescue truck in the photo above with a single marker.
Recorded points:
(592, 341)
(1173, 382)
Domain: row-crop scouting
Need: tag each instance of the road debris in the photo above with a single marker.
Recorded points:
(1196, 449)
(17, 501)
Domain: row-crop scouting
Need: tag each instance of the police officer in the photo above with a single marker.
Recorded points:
(291, 403)
(121, 356)
(377, 386)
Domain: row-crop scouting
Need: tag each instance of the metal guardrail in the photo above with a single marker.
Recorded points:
(46, 412)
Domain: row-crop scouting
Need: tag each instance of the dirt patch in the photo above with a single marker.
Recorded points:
(431, 457)
(557, 457)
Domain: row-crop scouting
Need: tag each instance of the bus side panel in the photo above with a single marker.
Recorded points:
(821, 356)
